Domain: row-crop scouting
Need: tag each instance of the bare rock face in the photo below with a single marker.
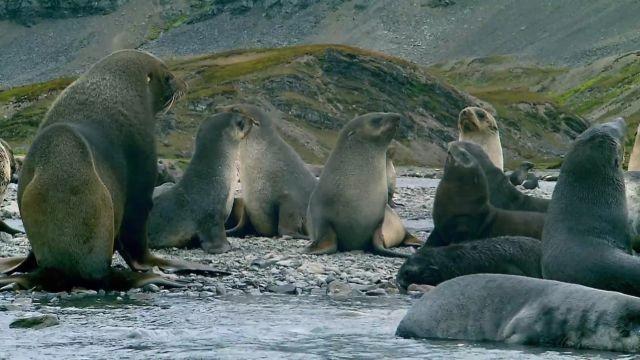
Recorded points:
(28, 12)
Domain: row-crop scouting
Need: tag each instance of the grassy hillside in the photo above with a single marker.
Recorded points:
(315, 89)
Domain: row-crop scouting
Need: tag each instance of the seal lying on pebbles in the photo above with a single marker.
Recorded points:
(196, 208)
(502, 194)
(348, 209)
(461, 208)
(478, 126)
(521, 310)
(520, 174)
(531, 182)
(515, 255)
(86, 183)
(586, 239)
(7, 168)
(276, 184)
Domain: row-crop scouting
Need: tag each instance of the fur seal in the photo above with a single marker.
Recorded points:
(86, 183)
(479, 126)
(462, 211)
(348, 209)
(502, 194)
(531, 182)
(196, 208)
(520, 174)
(391, 176)
(7, 169)
(528, 311)
(586, 239)
(515, 255)
(276, 184)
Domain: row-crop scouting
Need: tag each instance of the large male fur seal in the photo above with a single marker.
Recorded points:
(462, 211)
(348, 209)
(198, 205)
(276, 184)
(502, 194)
(586, 239)
(515, 255)
(7, 169)
(478, 126)
(521, 310)
(86, 183)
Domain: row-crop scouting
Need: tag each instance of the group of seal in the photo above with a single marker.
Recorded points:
(86, 184)
(586, 244)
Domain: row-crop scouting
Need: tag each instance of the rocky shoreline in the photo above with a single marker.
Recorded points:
(260, 265)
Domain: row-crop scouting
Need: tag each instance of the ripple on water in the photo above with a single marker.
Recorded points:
(292, 327)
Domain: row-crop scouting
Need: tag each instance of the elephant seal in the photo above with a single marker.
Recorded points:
(521, 310)
(7, 169)
(586, 239)
(502, 194)
(634, 158)
(515, 255)
(86, 183)
(196, 208)
(519, 175)
(479, 126)
(348, 209)
(462, 211)
(531, 182)
(276, 184)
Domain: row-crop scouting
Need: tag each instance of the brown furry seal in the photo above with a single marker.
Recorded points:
(462, 211)
(586, 239)
(276, 183)
(86, 183)
(348, 209)
(477, 125)
(196, 208)
(502, 194)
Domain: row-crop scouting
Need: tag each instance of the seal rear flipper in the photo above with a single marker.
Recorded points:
(237, 211)
(8, 229)
(123, 280)
(173, 266)
(412, 240)
(243, 226)
(18, 264)
(378, 245)
(326, 243)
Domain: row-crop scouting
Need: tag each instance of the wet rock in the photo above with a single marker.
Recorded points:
(376, 292)
(340, 291)
(282, 289)
(151, 288)
(312, 268)
(262, 263)
(35, 322)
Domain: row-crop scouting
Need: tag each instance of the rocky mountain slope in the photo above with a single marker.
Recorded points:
(315, 90)
(62, 41)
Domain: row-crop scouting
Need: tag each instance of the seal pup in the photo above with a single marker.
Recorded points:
(527, 311)
(586, 239)
(276, 184)
(7, 169)
(86, 182)
(462, 211)
(520, 174)
(502, 194)
(479, 126)
(634, 158)
(196, 208)
(348, 208)
(515, 255)
(531, 182)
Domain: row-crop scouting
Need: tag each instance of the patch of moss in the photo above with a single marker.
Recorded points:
(33, 91)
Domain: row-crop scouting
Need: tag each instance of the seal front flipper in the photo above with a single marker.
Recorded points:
(290, 222)
(213, 238)
(18, 264)
(123, 280)
(326, 243)
(436, 239)
(412, 240)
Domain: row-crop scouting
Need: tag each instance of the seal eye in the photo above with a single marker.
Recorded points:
(481, 114)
